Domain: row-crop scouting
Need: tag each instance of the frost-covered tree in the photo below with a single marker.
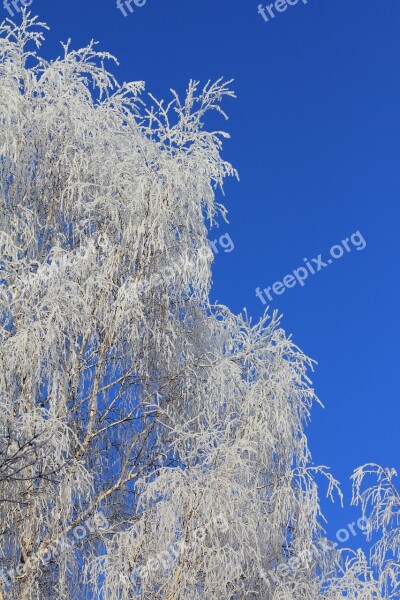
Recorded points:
(152, 444)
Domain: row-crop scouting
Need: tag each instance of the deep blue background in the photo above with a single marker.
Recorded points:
(315, 137)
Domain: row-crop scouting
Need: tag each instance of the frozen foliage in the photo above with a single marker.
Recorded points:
(122, 388)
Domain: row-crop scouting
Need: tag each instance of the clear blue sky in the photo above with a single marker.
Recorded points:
(316, 139)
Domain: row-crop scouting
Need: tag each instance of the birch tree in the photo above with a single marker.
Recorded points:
(152, 443)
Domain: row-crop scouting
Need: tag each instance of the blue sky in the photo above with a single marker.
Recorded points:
(316, 140)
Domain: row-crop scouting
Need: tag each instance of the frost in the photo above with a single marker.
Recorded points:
(122, 389)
